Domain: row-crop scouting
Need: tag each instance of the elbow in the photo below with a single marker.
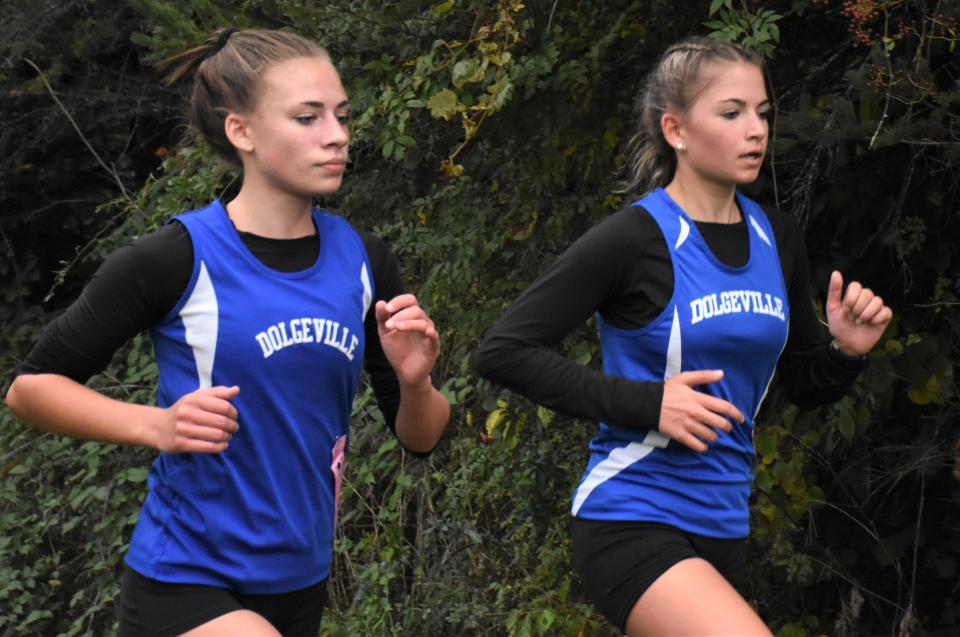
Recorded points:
(15, 399)
(26, 398)
(420, 448)
(486, 360)
(481, 362)
(417, 453)
(506, 360)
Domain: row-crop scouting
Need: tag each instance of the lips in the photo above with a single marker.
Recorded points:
(334, 165)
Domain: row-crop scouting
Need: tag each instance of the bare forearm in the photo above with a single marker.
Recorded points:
(422, 416)
(58, 404)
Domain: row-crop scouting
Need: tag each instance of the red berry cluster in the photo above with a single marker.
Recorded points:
(860, 13)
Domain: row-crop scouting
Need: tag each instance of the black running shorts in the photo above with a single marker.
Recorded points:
(618, 561)
(148, 607)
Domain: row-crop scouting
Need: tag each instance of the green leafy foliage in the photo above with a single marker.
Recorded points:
(486, 137)
(758, 31)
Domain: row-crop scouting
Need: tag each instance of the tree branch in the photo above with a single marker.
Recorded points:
(111, 171)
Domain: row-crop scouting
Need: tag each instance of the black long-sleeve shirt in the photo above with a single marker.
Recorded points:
(622, 269)
(141, 282)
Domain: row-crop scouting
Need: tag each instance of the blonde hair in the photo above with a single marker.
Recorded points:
(672, 84)
(227, 69)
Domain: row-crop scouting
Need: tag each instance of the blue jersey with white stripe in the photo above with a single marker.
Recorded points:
(258, 517)
(719, 317)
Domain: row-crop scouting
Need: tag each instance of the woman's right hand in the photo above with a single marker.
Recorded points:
(689, 416)
(202, 421)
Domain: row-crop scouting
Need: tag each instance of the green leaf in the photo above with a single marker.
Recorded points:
(763, 481)
(442, 8)
(545, 415)
(444, 104)
(36, 614)
(526, 628)
(387, 446)
(136, 474)
(928, 393)
(500, 92)
(715, 6)
(468, 71)
(846, 422)
(766, 445)
(792, 630)
(545, 620)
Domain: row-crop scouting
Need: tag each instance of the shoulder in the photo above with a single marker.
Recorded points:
(378, 251)
(789, 241)
(164, 250)
(151, 272)
(375, 247)
(777, 217)
(632, 218)
(387, 276)
(211, 216)
(214, 208)
(784, 225)
(628, 228)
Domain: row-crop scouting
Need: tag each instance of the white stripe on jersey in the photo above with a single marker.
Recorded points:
(760, 232)
(684, 232)
(200, 314)
(674, 348)
(621, 458)
(615, 462)
(367, 291)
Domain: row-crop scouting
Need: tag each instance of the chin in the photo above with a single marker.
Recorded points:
(749, 178)
(323, 190)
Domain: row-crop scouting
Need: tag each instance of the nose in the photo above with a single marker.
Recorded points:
(335, 133)
(758, 128)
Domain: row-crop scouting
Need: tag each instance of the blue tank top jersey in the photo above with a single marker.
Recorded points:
(719, 317)
(259, 517)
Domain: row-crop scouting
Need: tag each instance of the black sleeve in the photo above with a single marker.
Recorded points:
(134, 288)
(520, 351)
(387, 283)
(812, 373)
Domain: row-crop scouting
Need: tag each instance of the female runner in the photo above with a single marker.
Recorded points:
(698, 293)
(262, 311)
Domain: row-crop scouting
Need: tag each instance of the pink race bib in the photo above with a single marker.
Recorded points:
(338, 456)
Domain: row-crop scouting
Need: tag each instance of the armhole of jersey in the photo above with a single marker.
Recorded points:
(371, 243)
(666, 314)
(194, 274)
(777, 248)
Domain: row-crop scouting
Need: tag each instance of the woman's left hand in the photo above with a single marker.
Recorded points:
(409, 338)
(856, 319)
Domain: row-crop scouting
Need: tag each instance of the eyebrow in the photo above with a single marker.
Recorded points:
(316, 104)
(741, 103)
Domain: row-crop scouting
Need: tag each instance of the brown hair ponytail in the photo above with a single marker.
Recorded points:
(227, 69)
(672, 84)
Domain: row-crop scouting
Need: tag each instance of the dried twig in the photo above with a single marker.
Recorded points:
(550, 19)
(111, 171)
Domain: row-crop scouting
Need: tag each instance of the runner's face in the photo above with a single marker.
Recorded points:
(724, 132)
(299, 130)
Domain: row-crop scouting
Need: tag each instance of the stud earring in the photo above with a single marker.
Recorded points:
(680, 146)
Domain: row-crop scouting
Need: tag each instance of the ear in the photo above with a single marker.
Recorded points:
(672, 127)
(238, 132)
